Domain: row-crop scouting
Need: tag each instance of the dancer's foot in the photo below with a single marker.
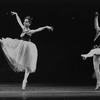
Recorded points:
(24, 85)
(97, 87)
(84, 57)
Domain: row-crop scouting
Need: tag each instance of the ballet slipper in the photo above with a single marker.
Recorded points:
(84, 57)
(97, 87)
(24, 84)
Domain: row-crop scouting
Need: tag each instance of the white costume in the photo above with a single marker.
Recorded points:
(21, 54)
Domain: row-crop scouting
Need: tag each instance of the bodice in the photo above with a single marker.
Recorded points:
(26, 37)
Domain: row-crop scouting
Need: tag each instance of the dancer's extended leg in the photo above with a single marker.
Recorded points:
(90, 54)
(25, 79)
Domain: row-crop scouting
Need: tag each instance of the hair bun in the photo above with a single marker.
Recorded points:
(29, 18)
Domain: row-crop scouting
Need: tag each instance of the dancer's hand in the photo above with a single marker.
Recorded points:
(49, 28)
(22, 35)
(96, 13)
(13, 13)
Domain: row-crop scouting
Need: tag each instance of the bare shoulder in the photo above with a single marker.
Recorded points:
(32, 31)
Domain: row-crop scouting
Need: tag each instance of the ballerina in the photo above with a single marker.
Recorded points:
(22, 53)
(95, 53)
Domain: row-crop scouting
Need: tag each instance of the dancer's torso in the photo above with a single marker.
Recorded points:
(26, 37)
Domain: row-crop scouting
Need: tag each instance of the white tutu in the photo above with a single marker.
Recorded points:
(21, 54)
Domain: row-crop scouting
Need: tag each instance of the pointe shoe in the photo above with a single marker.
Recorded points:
(97, 87)
(84, 57)
(24, 85)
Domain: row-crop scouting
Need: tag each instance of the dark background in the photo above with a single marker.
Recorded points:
(59, 60)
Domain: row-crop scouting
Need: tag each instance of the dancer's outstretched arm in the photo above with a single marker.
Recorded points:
(40, 29)
(96, 25)
(18, 19)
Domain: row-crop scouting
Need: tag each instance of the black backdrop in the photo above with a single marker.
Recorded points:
(59, 60)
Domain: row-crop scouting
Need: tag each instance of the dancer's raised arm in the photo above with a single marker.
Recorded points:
(40, 29)
(96, 25)
(18, 19)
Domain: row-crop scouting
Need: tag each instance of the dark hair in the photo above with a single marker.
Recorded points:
(29, 18)
(96, 46)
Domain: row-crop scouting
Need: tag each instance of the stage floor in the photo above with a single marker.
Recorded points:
(14, 90)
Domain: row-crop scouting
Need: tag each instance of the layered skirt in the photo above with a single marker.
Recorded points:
(20, 54)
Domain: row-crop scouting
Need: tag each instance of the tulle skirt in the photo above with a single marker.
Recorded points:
(20, 54)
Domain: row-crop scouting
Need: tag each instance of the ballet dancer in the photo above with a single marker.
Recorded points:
(22, 53)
